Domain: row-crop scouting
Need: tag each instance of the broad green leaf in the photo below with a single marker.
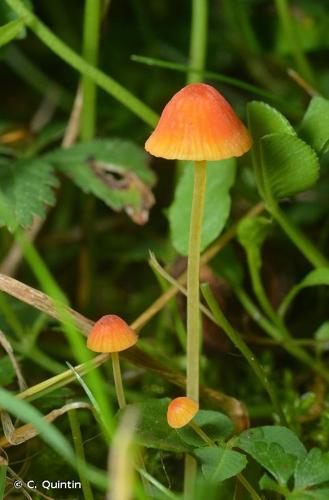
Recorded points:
(316, 277)
(220, 178)
(216, 425)
(153, 430)
(27, 187)
(263, 119)
(114, 170)
(289, 165)
(314, 128)
(10, 31)
(312, 469)
(276, 448)
(220, 463)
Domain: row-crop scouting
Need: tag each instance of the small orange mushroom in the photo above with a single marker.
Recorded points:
(181, 411)
(198, 124)
(111, 334)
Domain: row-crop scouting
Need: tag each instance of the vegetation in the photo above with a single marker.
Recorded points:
(91, 225)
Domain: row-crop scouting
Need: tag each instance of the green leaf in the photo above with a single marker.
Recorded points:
(322, 334)
(27, 187)
(114, 170)
(312, 469)
(153, 430)
(220, 463)
(267, 483)
(289, 165)
(276, 448)
(314, 128)
(263, 120)
(216, 425)
(316, 494)
(220, 178)
(316, 277)
(10, 31)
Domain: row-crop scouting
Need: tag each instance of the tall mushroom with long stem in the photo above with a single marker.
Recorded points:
(198, 125)
(111, 334)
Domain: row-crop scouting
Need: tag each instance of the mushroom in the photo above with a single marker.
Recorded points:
(111, 334)
(181, 411)
(197, 124)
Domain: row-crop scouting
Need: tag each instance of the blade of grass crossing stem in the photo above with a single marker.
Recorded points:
(243, 348)
(107, 83)
(50, 434)
(78, 446)
(183, 68)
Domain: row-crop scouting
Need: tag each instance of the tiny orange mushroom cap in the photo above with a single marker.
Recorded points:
(181, 411)
(111, 334)
(198, 124)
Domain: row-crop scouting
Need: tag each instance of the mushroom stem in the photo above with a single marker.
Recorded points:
(118, 380)
(193, 276)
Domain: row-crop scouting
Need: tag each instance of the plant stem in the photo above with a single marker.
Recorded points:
(107, 83)
(90, 54)
(297, 237)
(193, 313)
(78, 446)
(248, 487)
(243, 348)
(300, 60)
(118, 380)
(198, 41)
(193, 272)
(190, 471)
(201, 433)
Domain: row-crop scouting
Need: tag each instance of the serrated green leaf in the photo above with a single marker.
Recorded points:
(312, 469)
(220, 463)
(220, 178)
(314, 128)
(263, 120)
(276, 448)
(289, 165)
(10, 31)
(216, 425)
(316, 277)
(27, 187)
(153, 430)
(114, 170)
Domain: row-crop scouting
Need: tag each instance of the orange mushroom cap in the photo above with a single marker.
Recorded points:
(111, 334)
(198, 124)
(181, 411)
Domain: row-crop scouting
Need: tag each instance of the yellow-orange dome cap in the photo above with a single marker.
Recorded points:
(198, 124)
(181, 411)
(111, 334)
